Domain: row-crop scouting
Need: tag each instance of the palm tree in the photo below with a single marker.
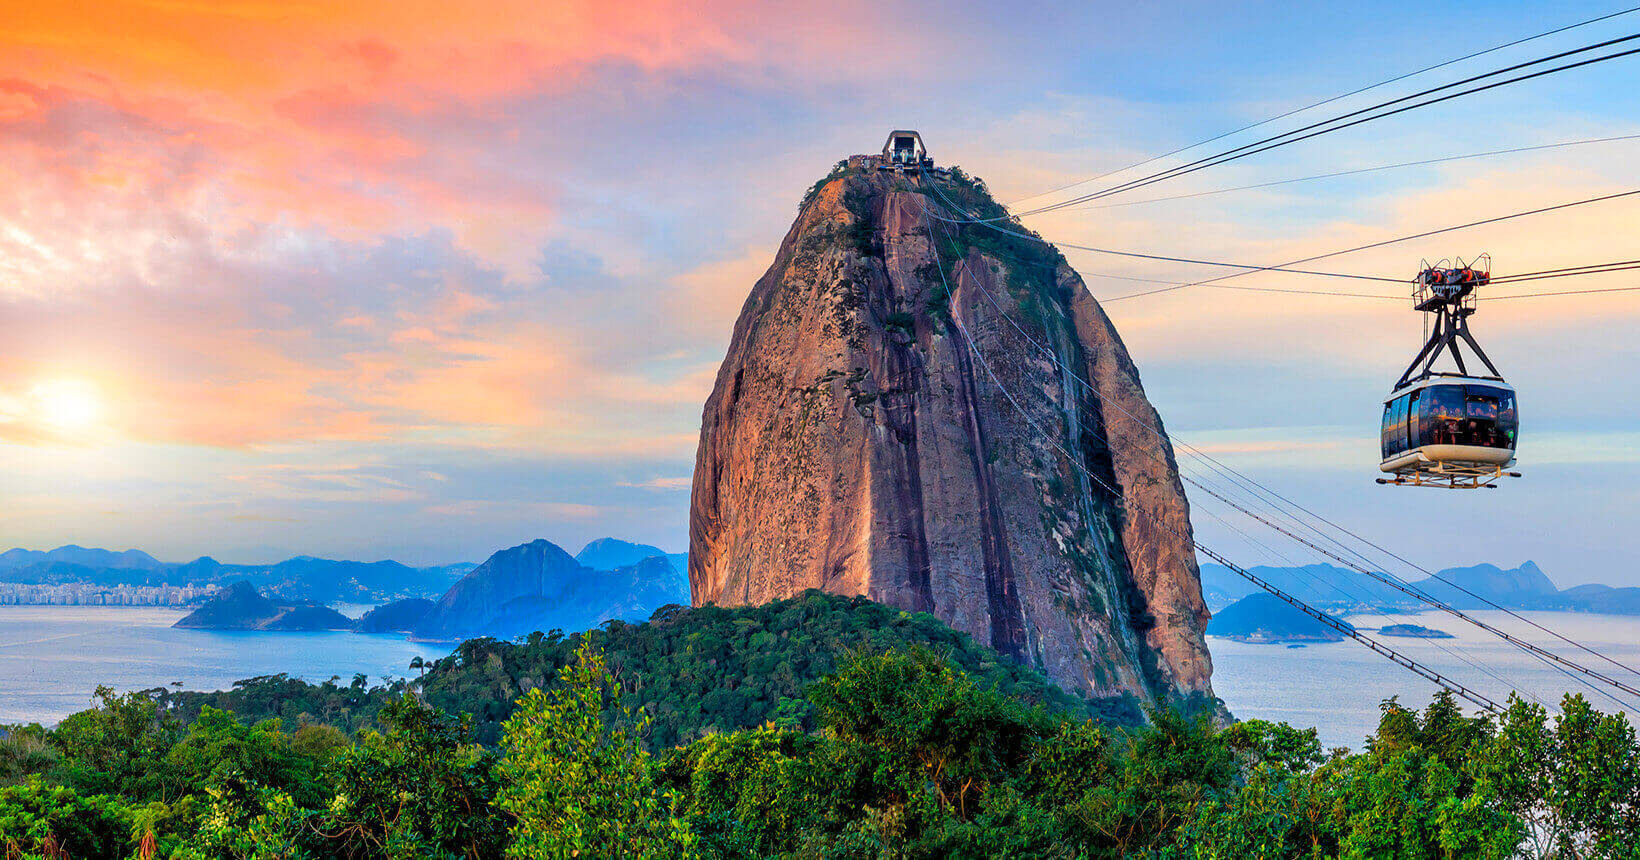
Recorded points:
(418, 664)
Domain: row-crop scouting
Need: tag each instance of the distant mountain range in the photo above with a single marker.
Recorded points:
(538, 586)
(519, 590)
(306, 578)
(302, 578)
(131, 559)
(1337, 588)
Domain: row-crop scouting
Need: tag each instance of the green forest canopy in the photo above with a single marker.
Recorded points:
(692, 671)
(895, 749)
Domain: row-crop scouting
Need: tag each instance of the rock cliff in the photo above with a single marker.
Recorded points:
(856, 442)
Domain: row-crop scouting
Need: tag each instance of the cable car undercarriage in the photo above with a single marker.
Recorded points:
(1443, 429)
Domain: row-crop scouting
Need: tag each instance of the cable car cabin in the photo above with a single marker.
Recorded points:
(1450, 431)
(904, 149)
(1443, 429)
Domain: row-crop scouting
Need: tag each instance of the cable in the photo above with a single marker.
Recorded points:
(1338, 173)
(1572, 272)
(1281, 266)
(1276, 141)
(1351, 124)
(1335, 586)
(1421, 595)
(1168, 259)
(1325, 101)
(1397, 584)
(1506, 280)
(1563, 293)
(1396, 240)
(1303, 292)
(1345, 629)
(1415, 566)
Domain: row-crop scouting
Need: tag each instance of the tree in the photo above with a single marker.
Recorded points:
(47, 821)
(578, 786)
(118, 748)
(420, 787)
(245, 821)
(25, 751)
(1575, 783)
(262, 754)
(942, 728)
(1413, 792)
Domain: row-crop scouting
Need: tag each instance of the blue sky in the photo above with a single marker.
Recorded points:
(374, 283)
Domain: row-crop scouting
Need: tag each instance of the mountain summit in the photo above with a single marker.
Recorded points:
(855, 442)
(538, 586)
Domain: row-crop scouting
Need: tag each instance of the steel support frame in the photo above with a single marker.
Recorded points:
(1451, 326)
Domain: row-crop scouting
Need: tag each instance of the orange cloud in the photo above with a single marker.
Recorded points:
(242, 51)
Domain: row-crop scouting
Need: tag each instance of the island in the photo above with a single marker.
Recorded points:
(241, 607)
(400, 616)
(1268, 620)
(1413, 631)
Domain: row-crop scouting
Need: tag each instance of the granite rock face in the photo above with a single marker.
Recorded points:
(939, 417)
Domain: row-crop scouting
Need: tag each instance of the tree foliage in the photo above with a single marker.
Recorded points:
(691, 671)
(581, 786)
(907, 744)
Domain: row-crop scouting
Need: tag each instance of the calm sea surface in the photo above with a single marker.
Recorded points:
(51, 657)
(1337, 687)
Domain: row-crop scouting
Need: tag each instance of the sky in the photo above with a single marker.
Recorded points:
(407, 280)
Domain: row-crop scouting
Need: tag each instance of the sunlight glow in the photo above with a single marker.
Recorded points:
(67, 404)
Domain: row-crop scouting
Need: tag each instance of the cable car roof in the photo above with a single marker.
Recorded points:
(1449, 379)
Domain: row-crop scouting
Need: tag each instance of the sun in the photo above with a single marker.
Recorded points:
(67, 404)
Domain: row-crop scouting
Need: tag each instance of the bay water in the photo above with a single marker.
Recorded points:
(53, 657)
(1337, 687)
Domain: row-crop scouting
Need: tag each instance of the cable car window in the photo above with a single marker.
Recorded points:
(1411, 411)
(1394, 429)
(1495, 410)
(1388, 429)
(1477, 405)
(1441, 415)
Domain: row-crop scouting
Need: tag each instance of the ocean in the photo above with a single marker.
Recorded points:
(1337, 687)
(52, 657)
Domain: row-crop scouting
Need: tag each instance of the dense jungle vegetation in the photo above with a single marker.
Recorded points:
(692, 671)
(894, 749)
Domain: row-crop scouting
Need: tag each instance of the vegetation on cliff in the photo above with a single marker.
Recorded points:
(693, 671)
